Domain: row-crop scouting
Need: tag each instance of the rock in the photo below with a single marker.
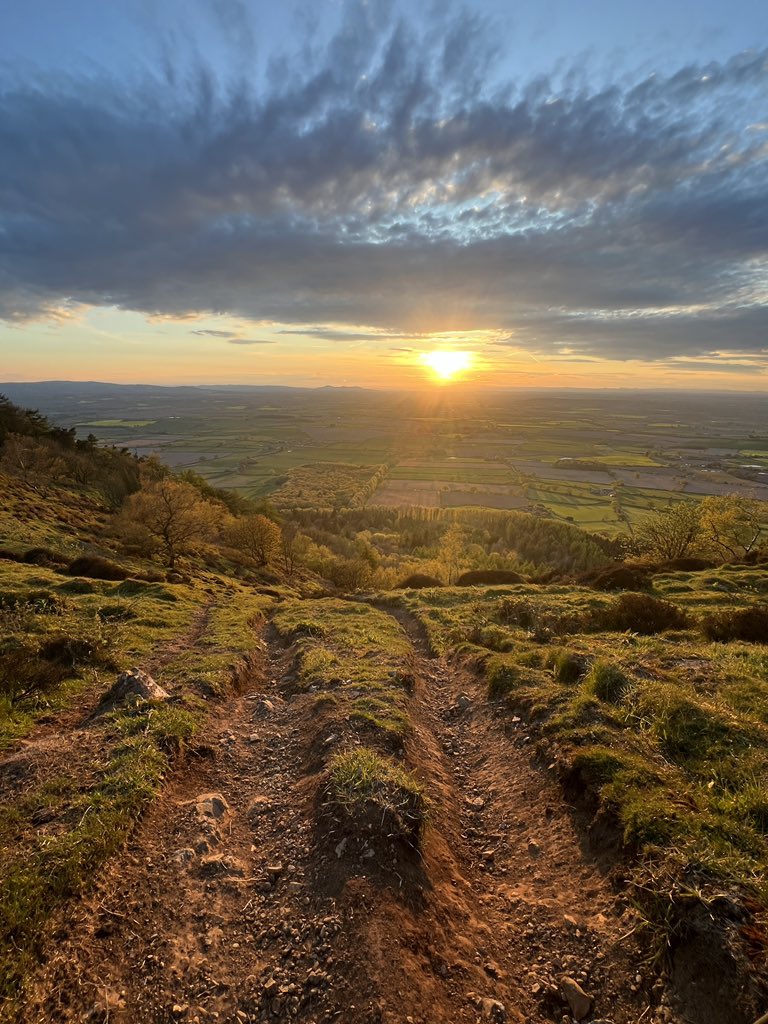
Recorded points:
(211, 806)
(341, 847)
(133, 684)
(533, 848)
(258, 806)
(578, 1000)
(274, 870)
(184, 856)
(264, 708)
(221, 864)
(463, 701)
(475, 803)
(493, 1010)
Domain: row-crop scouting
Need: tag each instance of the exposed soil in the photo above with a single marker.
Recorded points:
(247, 908)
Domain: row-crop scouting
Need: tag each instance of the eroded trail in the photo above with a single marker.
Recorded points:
(511, 869)
(231, 903)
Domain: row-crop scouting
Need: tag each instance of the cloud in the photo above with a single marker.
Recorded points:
(250, 341)
(383, 180)
(215, 334)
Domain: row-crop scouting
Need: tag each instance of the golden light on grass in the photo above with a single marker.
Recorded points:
(446, 364)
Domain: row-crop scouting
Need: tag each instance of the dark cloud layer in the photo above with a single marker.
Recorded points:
(381, 181)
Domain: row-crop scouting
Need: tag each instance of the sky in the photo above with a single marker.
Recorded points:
(575, 192)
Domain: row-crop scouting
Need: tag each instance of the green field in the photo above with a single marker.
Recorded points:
(600, 461)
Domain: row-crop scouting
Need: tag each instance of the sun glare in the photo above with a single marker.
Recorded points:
(447, 365)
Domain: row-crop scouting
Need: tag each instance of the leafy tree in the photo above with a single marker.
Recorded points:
(732, 525)
(452, 550)
(172, 516)
(256, 537)
(671, 532)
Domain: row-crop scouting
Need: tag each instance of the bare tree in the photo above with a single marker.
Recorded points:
(732, 524)
(671, 532)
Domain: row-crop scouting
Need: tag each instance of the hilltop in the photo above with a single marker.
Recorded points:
(529, 790)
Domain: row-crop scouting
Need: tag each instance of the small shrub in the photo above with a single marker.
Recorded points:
(418, 581)
(9, 556)
(606, 682)
(76, 587)
(95, 567)
(746, 624)
(621, 577)
(92, 647)
(23, 672)
(115, 613)
(516, 611)
(41, 602)
(44, 557)
(639, 613)
(488, 576)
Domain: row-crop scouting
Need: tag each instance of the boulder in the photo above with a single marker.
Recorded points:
(137, 683)
(578, 1000)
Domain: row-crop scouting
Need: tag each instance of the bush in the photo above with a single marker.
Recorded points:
(9, 556)
(115, 613)
(94, 567)
(42, 602)
(488, 576)
(418, 581)
(44, 557)
(747, 624)
(639, 613)
(23, 672)
(621, 577)
(516, 611)
(606, 682)
(91, 647)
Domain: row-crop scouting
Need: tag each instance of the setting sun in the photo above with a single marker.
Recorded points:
(447, 365)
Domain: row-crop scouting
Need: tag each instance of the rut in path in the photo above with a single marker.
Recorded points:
(252, 916)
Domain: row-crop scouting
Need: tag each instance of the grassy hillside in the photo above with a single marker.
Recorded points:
(658, 730)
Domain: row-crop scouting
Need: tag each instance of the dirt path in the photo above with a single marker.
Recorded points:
(230, 904)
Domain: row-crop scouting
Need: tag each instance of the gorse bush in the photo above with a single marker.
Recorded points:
(746, 624)
(95, 567)
(638, 613)
(24, 672)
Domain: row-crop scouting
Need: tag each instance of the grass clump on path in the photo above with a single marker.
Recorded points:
(376, 795)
